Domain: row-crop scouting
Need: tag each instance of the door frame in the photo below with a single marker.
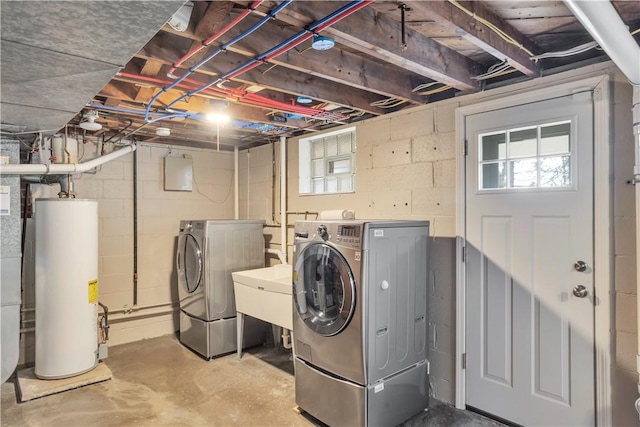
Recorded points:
(603, 226)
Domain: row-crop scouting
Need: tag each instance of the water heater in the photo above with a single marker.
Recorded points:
(66, 276)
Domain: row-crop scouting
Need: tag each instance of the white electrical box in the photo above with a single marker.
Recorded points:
(178, 174)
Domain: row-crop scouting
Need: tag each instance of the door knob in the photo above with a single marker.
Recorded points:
(580, 291)
(580, 266)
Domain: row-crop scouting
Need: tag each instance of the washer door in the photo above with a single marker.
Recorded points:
(190, 266)
(324, 289)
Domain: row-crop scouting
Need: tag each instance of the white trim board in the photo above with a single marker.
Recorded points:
(603, 226)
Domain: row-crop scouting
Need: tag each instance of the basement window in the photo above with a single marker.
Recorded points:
(327, 163)
(535, 157)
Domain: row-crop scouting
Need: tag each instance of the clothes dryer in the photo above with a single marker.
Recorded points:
(208, 252)
(360, 320)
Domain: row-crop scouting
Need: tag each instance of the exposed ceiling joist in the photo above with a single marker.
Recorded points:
(379, 36)
(336, 65)
(469, 27)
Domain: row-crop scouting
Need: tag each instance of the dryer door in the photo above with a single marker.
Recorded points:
(190, 266)
(324, 289)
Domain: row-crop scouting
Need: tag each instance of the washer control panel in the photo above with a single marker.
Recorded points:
(340, 233)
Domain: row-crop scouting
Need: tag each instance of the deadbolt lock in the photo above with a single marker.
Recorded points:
(580, 266)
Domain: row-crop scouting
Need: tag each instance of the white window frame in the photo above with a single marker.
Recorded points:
(306, 185)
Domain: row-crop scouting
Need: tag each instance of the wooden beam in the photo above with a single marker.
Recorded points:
(471, 29)
(336, 65)
(375, 34)
(291, 82)
(149, 69)
(115, 89)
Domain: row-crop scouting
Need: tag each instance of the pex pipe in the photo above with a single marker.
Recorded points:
(214, 37)
(243, 96)
(283, 47)
(222, 48)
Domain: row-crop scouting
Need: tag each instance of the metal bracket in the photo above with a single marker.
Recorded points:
(634, 181)
(403, 8)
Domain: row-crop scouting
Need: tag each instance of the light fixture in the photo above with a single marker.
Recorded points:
(304, 100)
(163, 131)
(216, 117)
(322, 42)
(90, 121)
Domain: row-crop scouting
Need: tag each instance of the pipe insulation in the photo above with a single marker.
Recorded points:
(66, 168)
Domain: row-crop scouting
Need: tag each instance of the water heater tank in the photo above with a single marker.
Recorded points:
(66, 287)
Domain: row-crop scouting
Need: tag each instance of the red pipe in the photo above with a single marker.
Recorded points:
(244, 97)
(214, 37)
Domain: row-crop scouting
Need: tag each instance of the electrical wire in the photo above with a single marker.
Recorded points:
(568, 52)
(636, 31)
(420, 88)
(209, 198)
(388, 103)
(492, 27)
(436, 90)
(495, 70)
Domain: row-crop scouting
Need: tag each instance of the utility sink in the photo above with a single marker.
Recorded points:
(264, 293)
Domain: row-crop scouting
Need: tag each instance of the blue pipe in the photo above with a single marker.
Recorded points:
(222, 48)
(263, 55)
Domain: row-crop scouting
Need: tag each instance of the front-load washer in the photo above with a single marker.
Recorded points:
(208, 252)
(360, 320)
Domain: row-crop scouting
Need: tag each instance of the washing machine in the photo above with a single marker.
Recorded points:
(208, 252)
(360, 320)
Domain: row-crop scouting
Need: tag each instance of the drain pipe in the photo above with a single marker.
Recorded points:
(63, 168)
(602, 21)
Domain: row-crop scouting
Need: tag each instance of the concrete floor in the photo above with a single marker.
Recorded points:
(159, 382)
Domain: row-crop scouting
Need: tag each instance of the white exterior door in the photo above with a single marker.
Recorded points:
(529, 264)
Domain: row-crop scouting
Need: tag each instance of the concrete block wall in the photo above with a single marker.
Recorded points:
(159, 215)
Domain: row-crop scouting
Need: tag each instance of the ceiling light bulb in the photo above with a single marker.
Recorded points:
(160, 131)
(304, 100)
(90, 124)
(322, 42)
(218, 118)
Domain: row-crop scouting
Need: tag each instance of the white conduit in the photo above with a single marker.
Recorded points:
(63, 168)
(636, 179)
(283, 198)
(236, 186)
(602, 21)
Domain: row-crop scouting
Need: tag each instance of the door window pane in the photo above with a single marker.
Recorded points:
(554, 139)
(494, 147)
(523, 143)
(494, 175)
(555, 171)
(524, 173)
